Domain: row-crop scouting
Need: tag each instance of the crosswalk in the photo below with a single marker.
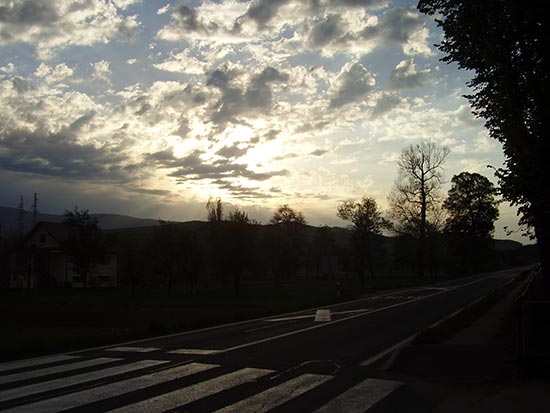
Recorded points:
(119, 384)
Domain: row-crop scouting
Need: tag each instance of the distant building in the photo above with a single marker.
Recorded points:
(43, 261)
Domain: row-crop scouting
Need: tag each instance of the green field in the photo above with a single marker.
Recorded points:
(50, 321)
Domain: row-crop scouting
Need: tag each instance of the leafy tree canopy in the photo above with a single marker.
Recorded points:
(472, 205)
(505, 46)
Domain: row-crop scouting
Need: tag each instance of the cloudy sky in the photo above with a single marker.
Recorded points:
(149, 107)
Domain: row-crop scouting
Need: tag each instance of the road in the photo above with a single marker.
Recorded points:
(321, 360)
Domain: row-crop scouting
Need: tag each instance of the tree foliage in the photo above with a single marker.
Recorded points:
(472, 205)
(505, 45)
(86, 245)
(367, 225)
(288, 242)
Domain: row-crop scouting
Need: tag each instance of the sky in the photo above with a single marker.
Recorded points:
(148, 108)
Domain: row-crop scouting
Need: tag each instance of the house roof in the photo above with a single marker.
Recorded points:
(57, 230)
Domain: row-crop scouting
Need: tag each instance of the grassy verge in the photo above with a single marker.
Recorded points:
(448, 329)
(36, 323)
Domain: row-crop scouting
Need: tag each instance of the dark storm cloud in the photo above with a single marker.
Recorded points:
(232, 151)
(396, 25)
(385, 104)
(59, 155)
(326, 30)
(262, 11)
(193, 167)
(236, 100)
(188, 20)
(318, 152)
(353, 85)
(241, 191)
(28, 12)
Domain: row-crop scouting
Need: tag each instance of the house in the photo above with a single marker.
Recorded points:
(43, 261)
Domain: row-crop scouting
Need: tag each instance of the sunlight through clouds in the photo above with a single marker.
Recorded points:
(260, 102)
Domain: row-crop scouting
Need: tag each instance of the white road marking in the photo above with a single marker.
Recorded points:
(360, 397)
(70, 401)
(194, 392)
(195, 351)
(77, 379)
(13, 365)
(134, 349)
(275, 396)
(52, 370)
(297, 317)
(322, 315)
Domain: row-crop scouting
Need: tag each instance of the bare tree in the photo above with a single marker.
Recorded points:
(416, 198)
(214, 210)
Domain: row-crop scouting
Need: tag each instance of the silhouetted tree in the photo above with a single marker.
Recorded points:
(288, 241)
(176, 254)
(86, 246)
(214, 210)
(134, 265)
(367, 225)
(473, 209)
(504, 44)
(239, 236)
(324, 249)
(415, 200)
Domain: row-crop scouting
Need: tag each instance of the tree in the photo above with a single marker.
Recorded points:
(176, 254)
(288, 241)
(239, 237)
(367, 225)
(86, 246)
(510, 91)
(473, 209)
(323, 249)
(415, 200)
(214, 210)
(472, 205)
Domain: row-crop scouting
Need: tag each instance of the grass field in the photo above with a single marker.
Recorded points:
(50, 321)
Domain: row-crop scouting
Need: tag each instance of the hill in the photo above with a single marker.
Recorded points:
(9, 225)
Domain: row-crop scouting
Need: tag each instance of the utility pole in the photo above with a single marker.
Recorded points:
(21, 217)
(34, 209)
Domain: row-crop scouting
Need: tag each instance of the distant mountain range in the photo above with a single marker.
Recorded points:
(9, 225)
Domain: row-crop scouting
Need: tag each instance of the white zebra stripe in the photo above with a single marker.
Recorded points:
(194, 392)
(275, 396)
(13, 365)
(134, 349)
(36, 388)
(80, 398)
(52, 370)
(194, 351)
(360, 397)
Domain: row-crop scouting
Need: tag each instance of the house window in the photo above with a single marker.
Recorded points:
(42, 238)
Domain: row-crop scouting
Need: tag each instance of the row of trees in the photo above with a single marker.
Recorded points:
(428, 229)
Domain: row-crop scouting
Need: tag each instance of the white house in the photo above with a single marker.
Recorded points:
(45, 263)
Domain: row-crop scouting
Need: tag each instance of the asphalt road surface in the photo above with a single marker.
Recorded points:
(318, 360)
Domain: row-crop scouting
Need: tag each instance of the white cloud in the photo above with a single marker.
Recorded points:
(406, 76)
(56, 24)
(101, 70)
(353, 84)
(53, 74)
